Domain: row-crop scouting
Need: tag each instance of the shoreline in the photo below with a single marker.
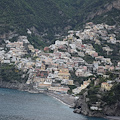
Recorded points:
(65, 99)
(68, 103)
(59, 100)
(113, 117)
(69, 100)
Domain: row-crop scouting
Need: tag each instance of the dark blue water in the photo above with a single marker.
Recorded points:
(17, 105)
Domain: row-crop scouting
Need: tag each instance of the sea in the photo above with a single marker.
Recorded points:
(19, 105)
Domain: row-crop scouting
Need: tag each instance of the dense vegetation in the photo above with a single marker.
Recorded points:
(10, 73)
(77, 80)
(113, 95)
(22, 14)
(49, 15)
(36, 41)
(96, 94)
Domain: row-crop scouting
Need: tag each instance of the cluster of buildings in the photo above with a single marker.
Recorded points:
(51, 70)
(83, 86)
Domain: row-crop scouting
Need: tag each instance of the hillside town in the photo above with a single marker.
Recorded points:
(50, 69)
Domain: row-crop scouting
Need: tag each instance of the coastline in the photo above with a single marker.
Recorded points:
(63, 98)
(113, 117)
(59, 100)
(69, 101)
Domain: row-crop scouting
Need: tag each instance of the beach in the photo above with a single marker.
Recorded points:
(69, 100)
(64, 98)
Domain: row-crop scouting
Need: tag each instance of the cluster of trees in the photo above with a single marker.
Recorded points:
(77, 80)
(10, 73)
(25, 14)
(36, 41)
(112, 96)
(96, 95)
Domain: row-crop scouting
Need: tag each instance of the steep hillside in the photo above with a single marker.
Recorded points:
(85, 10)
(15, 14)
(55, 16)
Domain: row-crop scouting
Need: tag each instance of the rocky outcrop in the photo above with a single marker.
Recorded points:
(106, 8)
(116, 4)
(81, 107)
(8, 35)
(112, 110)
(16, 85)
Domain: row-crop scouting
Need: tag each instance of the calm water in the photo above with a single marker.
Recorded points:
(17, 105)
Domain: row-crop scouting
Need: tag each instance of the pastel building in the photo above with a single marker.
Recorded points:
(106, 86)
(64, 73)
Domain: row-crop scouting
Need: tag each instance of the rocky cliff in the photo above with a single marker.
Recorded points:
(104, 9)
(16, 85)
(99, 106)
(82, 107)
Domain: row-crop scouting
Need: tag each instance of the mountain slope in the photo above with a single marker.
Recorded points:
(25, 14)
(55, 16)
